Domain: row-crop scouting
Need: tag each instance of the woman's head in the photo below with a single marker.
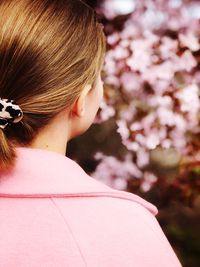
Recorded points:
(51, 51)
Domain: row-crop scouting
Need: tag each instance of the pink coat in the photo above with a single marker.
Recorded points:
(52, 214)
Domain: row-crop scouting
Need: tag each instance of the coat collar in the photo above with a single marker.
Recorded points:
(43, 173)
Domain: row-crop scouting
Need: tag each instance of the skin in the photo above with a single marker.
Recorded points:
(71, 122)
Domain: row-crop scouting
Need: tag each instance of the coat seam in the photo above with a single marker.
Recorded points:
(127, 196)
(69, 228)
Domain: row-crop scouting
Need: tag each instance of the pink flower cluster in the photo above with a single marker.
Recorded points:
(114, 172)
(153, 65)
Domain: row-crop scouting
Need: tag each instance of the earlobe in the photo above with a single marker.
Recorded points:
(82, 112)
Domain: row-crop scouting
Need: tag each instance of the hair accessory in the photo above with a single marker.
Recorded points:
(10, 113)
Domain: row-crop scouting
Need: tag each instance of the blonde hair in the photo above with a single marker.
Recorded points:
(49, 50)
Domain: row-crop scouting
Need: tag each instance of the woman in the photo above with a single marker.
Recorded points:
(51, 212)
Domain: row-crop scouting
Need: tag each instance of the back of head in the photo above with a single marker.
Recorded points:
(49, 50)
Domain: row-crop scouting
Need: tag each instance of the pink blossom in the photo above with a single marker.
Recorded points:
(167, 143)
(185, 62)
(180, 122)
(148, 121)
(150, 38)
(152, 18)
(160, 86)
(196, 77)
(178, 139)
(130, 31)
(190, 41)
(152, 141)
(168, 47)
(128, 113)
(166, 116)
(145, 186)
(130, 81)
(124, 43)
(149, 180)
(113, 38)
(179, 19)
(112, 8)
(162, 133)
(130, 145)
(123, 129)
(157, 100)
(109, 63)
(141, 58)
(120, 52)
(139, 61)
(194, 10)
(106, 111)
(112, 80)
(175, 3)
(135, 126)
(114, 172)
(190, 102)
(142, 158)
(189, 98)
(163, 71)
(140, 139)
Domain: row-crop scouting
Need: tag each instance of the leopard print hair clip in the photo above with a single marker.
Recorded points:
(10, 113)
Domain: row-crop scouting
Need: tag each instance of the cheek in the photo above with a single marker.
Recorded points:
(96, 102)
(96, 99)
(98, 94)
(101, 93)
(100, 98)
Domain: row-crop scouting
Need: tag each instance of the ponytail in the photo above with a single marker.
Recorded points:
(10, 113)
(7, 153)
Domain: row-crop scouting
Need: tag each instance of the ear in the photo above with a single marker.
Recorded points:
(79, 107)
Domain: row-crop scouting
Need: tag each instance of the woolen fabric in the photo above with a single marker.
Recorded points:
(53, 214)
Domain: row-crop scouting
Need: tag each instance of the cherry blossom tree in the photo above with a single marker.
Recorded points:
(152, 79)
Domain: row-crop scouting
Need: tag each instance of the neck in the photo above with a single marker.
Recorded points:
(53, 137)
(56, 147)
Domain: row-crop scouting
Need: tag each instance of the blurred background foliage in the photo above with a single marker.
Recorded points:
(145, 138)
